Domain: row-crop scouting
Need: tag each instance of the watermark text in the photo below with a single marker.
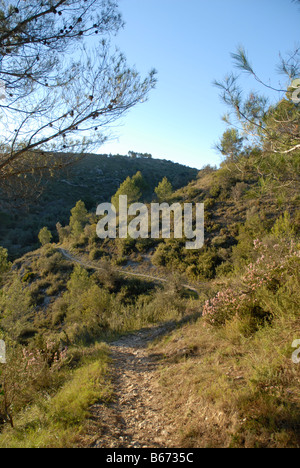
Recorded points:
(296, 354)
(296, 92)
(2, 352)
(140, 221)
(2, 91)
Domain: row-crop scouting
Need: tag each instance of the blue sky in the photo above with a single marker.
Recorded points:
(189, 43)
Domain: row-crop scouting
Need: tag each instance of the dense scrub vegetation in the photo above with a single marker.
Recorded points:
(229, 372)
(94, 180)
(235, 359)
(54, 317)
(238, 383)
(230, 377)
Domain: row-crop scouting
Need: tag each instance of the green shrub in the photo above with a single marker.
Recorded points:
(215, 191)
(269, 287)
(144, 245)
(164, 191)
(52, 263)
(84, 307)
(27, 372)
(132, 187)
(125, 246)
(120, 261)
(95, 254)
(283, 227)
(238, 191)
(28, 277)
(15, 306)
(63, 232)
(78, 219)
(56, 422)
(225, 269)
(45, 236)
(255, 227)
(207, 263)
(5, 265)
(209, 203)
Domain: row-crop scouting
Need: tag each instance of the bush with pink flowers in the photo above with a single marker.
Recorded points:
(267, 288)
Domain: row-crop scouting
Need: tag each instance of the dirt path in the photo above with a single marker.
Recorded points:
(136, 417)
(124, 272)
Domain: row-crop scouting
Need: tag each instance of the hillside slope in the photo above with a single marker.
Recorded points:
(224, 376)
(94, 179)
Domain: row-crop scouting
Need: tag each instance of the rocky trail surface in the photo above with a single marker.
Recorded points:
(136, 418)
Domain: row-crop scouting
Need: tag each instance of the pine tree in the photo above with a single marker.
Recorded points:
(164, 190)
(133, 187)
(4, 263)
(45, 236)
(78, 219)
(60, 83)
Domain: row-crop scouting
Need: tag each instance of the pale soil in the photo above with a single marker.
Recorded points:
(136, 418)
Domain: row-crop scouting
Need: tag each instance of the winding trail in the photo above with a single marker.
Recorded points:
(136, 418)
(84, 263)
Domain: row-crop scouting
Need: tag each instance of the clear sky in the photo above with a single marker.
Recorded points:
(189, 43)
